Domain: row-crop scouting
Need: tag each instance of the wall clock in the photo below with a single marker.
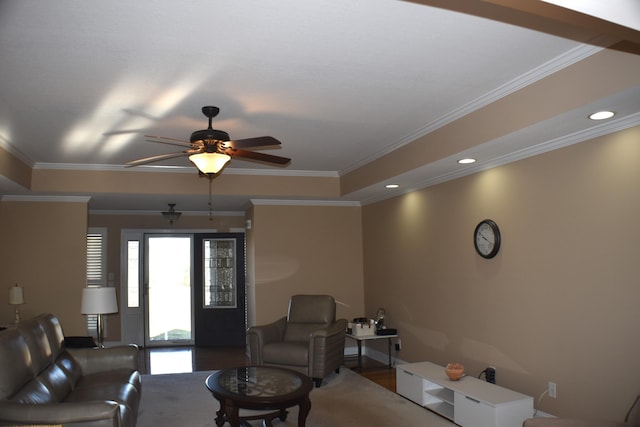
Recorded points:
(486, 238)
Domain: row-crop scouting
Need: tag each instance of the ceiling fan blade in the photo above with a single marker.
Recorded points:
(257, 156)
(167, 139)
(175, 143)
(159, 157)
(121, 132)
(260, 141)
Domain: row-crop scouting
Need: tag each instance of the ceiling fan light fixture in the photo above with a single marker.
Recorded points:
(209, 163)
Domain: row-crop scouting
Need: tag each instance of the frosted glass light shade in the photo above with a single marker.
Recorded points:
(99, 301)
(209, 162)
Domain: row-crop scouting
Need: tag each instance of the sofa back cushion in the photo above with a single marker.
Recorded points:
(71, 368)
(41, 369)
(14, 355)
(55, 335)
(35, 391)
(37, 343)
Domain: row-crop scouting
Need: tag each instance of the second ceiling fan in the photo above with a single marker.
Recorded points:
(210, 149)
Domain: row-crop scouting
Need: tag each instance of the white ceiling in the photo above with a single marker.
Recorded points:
(340, 83)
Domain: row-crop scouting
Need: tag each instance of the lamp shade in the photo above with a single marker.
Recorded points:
(16, 295)
(99, 301)
(209, 162)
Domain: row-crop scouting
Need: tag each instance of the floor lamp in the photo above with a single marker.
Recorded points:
(99, 301)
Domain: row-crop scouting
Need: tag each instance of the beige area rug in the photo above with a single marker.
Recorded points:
(345, 399)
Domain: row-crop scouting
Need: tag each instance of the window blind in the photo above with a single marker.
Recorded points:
(96, 268)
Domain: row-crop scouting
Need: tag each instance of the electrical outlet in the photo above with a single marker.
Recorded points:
(398, 344)
(552, 390)
(490, 374)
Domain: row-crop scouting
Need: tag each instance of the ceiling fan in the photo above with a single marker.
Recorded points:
(210, 149)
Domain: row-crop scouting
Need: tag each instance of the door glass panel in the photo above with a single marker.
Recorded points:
(219, 273)
(169, 293)
(133, 273)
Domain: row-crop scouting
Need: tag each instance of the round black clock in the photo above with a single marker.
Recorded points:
(486, 238)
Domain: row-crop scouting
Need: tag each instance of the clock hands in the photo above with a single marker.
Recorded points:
(482, 235)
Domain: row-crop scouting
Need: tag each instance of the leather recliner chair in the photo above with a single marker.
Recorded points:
(309, 339)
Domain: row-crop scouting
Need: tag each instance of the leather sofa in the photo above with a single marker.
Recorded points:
(43, 382)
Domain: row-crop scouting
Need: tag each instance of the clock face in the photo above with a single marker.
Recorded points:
(486, 238)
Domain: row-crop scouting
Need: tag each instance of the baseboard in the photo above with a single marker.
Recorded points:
(381, 356)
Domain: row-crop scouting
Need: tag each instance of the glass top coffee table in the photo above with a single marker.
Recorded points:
(260, 388)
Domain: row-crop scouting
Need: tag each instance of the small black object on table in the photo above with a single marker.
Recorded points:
(79, 342)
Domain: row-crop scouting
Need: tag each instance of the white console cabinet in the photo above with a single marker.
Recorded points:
(469, 402)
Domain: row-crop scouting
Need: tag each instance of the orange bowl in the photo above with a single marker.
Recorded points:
(454, 371)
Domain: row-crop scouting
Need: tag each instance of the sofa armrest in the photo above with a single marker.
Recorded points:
(93, 360)
(258, 336)
(94, 414)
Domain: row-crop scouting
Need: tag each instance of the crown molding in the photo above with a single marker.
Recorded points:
(32, 198)
(15, 151)
(154, 213)
(182, 169)
(294, 202)
(567, 59)
(544, 147)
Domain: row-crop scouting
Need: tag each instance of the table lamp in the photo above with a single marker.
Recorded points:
(99, 301)
(16, 297)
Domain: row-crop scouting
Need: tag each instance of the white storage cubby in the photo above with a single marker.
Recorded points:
(469, 402)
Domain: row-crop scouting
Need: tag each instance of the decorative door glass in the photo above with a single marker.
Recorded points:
(219, 273)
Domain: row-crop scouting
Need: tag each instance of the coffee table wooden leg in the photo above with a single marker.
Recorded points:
(220, 414)
(233, 413)
(305, 407)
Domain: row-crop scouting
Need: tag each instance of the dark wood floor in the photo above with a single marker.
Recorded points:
(188, 359)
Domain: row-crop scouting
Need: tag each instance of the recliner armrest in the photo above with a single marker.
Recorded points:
(93, 360)
(338, 327)
(258, 336)
(95, 413)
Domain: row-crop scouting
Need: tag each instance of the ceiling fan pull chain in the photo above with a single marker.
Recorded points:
(210, 203)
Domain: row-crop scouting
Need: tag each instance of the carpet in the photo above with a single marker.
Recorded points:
(345, 399)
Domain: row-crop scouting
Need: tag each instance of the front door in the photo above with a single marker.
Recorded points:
(219, 289)
(168, 295)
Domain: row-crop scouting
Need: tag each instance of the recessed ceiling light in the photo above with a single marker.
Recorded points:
(466, 161)
(602, 115)
(392, 186)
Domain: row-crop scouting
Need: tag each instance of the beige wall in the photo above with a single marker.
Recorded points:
(306, 250)
(43, 248)
(558, 303)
